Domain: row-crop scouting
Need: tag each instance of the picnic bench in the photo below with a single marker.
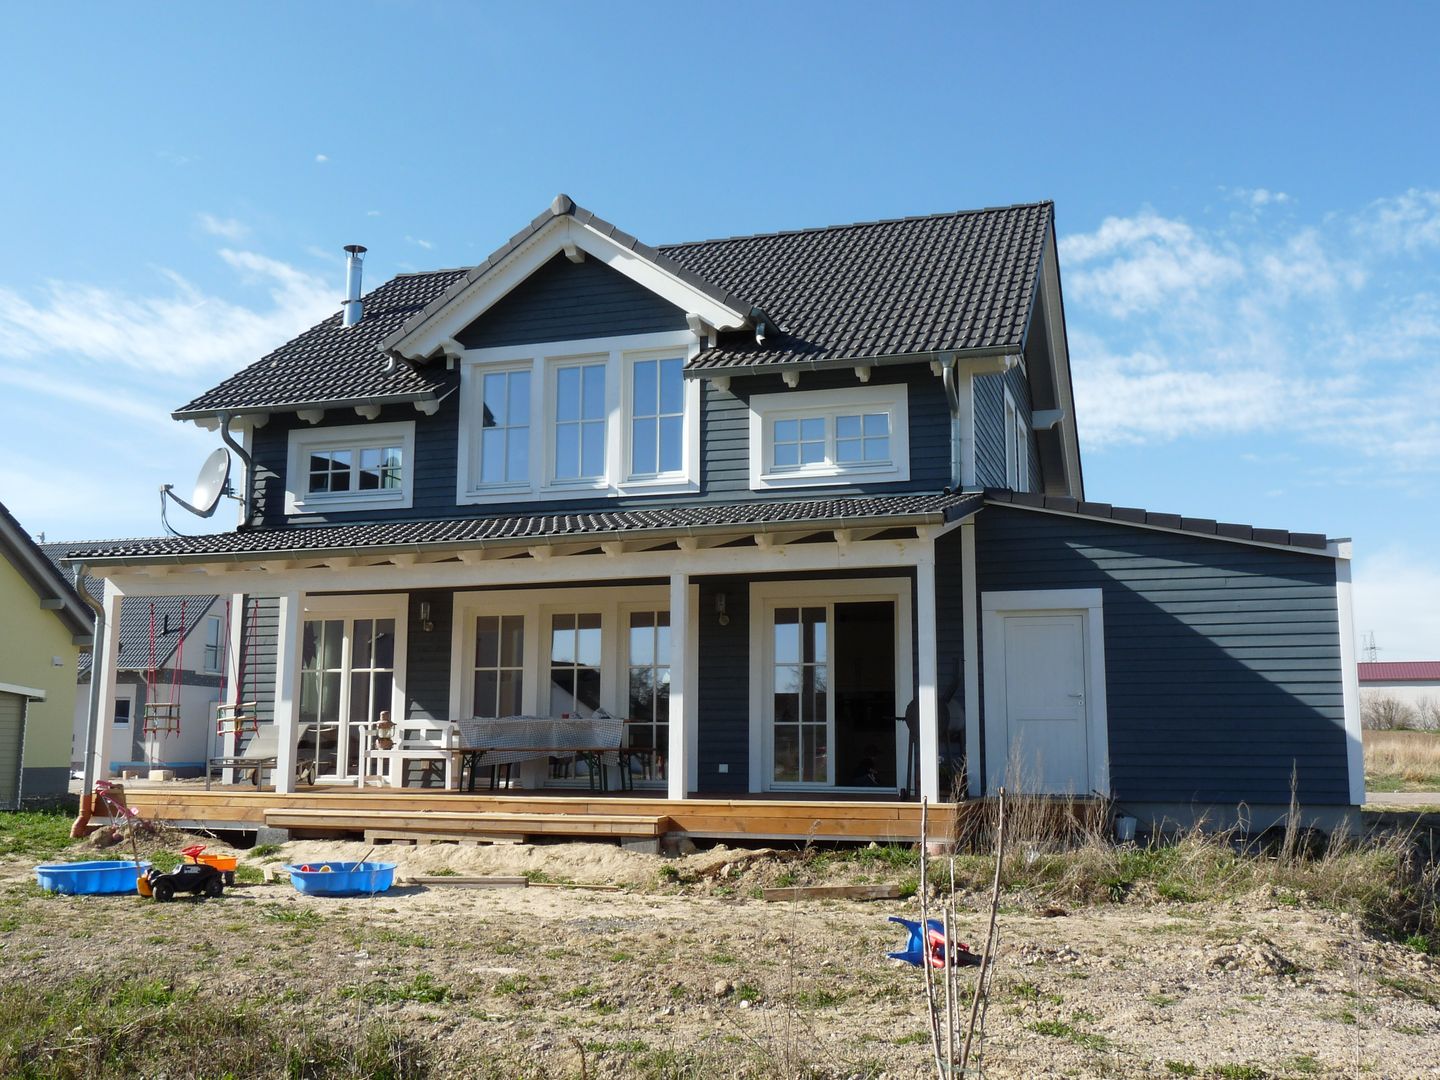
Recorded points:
(502, 742)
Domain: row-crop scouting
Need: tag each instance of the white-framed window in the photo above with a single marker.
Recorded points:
(1017, 448)
(350, 467)
(504, 447)
(578, 416)
(214, 643)
(816, 437)
(657, 416)
(609, 415)
(124, 707)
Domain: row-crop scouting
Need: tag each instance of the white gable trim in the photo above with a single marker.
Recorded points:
(563, 234)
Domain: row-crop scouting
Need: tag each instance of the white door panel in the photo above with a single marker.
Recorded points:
(1045, 703)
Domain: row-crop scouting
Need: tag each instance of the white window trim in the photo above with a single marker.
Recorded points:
(1089, 605)
(891, 399)
(543, 360)
(303, 442)
(537, 606)
(1009, 417)
(765, 597)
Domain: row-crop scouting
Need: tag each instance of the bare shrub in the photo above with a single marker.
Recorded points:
(1427, 714)
(1385, 712)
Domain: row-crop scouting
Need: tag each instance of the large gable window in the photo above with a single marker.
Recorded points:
(505, 427)
(657, 441)
(613, 416)
(579, 421)
(351, 467)
(805, 438)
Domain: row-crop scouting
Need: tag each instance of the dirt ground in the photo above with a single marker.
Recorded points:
(684, 963)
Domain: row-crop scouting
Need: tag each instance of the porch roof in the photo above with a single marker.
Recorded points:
(885, 511)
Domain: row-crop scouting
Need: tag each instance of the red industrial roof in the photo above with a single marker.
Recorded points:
(1412, 671)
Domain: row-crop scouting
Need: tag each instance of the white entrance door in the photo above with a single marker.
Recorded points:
(1045, 708)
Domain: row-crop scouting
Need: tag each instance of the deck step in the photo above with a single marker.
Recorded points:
(456, 824)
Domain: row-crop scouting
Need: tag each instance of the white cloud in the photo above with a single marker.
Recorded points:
(1322, 332)
(322, 158)
(426, 244)
(372, 213)
(225, 228)
(180, 330)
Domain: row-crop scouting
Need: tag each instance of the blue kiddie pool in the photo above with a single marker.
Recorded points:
(342, 878)
(90, 878)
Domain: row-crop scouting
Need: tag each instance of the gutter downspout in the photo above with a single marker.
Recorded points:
(81, 826)
(246, 460)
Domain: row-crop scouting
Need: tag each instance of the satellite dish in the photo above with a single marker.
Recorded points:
(212, 483)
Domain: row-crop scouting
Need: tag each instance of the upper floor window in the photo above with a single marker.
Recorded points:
(657, 445)
(829, 437)
(351, 467)
(579, 421)
(608, 415)
(1017, 447)
(505, 427)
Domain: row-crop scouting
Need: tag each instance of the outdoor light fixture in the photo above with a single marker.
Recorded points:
(425, 623)
(720, 609)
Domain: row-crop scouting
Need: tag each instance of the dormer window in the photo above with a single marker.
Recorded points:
(350, 467)
(811, 438)
(612, 416)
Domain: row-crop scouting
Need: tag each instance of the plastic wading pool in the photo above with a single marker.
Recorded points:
(342, 878)
(90, 878)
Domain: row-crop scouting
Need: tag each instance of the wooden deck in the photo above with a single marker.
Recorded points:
(534, 815)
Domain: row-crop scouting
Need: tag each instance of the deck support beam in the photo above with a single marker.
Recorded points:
(683, 759)
(291, 615)
(103, 669)
(927, 674)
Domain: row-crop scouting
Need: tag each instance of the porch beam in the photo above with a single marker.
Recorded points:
(927, 674)
(287, 689)
(870, 555)
(103, 668)
(683, 749)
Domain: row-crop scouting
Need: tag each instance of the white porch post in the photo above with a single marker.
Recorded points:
(287, 689)
(929, 713)
(683, 751)
(974, 778)
(104, 658)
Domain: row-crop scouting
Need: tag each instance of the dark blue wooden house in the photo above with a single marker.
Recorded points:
(763, 498)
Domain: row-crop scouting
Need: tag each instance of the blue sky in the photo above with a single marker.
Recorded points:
(1248, 204)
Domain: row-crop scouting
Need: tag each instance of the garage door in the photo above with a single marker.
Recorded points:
(12, 719)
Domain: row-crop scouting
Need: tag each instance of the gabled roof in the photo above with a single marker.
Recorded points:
(963, 281)
(51, 586)
(522, 529)
(172, 613)
(944, 282)
(1400, 671)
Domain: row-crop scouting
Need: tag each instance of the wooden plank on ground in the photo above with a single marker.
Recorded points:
(835, 892)
(460, 881)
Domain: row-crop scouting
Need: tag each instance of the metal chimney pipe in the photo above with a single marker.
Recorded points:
(352, 308)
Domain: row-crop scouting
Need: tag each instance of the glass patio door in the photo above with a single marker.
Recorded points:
(801, 719)
(347, 676)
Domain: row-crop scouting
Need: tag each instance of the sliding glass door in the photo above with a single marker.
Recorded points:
(347, 677)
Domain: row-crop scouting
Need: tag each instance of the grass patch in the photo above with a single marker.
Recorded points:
(249, 875)
(39, 834)
(92, 1026)
(294, 916)
(1238, 1072)
(1402, 760)
(422, 989)
(1181, 1068)
(1058, 1029)
(264, 851)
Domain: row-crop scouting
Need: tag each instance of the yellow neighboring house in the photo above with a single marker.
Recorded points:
(44, 626)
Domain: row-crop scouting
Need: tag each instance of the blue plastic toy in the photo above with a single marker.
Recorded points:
(90, 878)
(342, 878)
(931, 943)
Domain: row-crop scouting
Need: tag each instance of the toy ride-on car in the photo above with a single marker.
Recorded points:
(187, 877)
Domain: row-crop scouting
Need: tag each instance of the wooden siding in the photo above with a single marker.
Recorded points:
(723, 719)
(427, 668)
(565, 301)
(1222, 660)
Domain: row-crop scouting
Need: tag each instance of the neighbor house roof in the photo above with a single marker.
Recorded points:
(1400, 671)
(910, 286)
(897, 510)
(171, 612)
(51, 585)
